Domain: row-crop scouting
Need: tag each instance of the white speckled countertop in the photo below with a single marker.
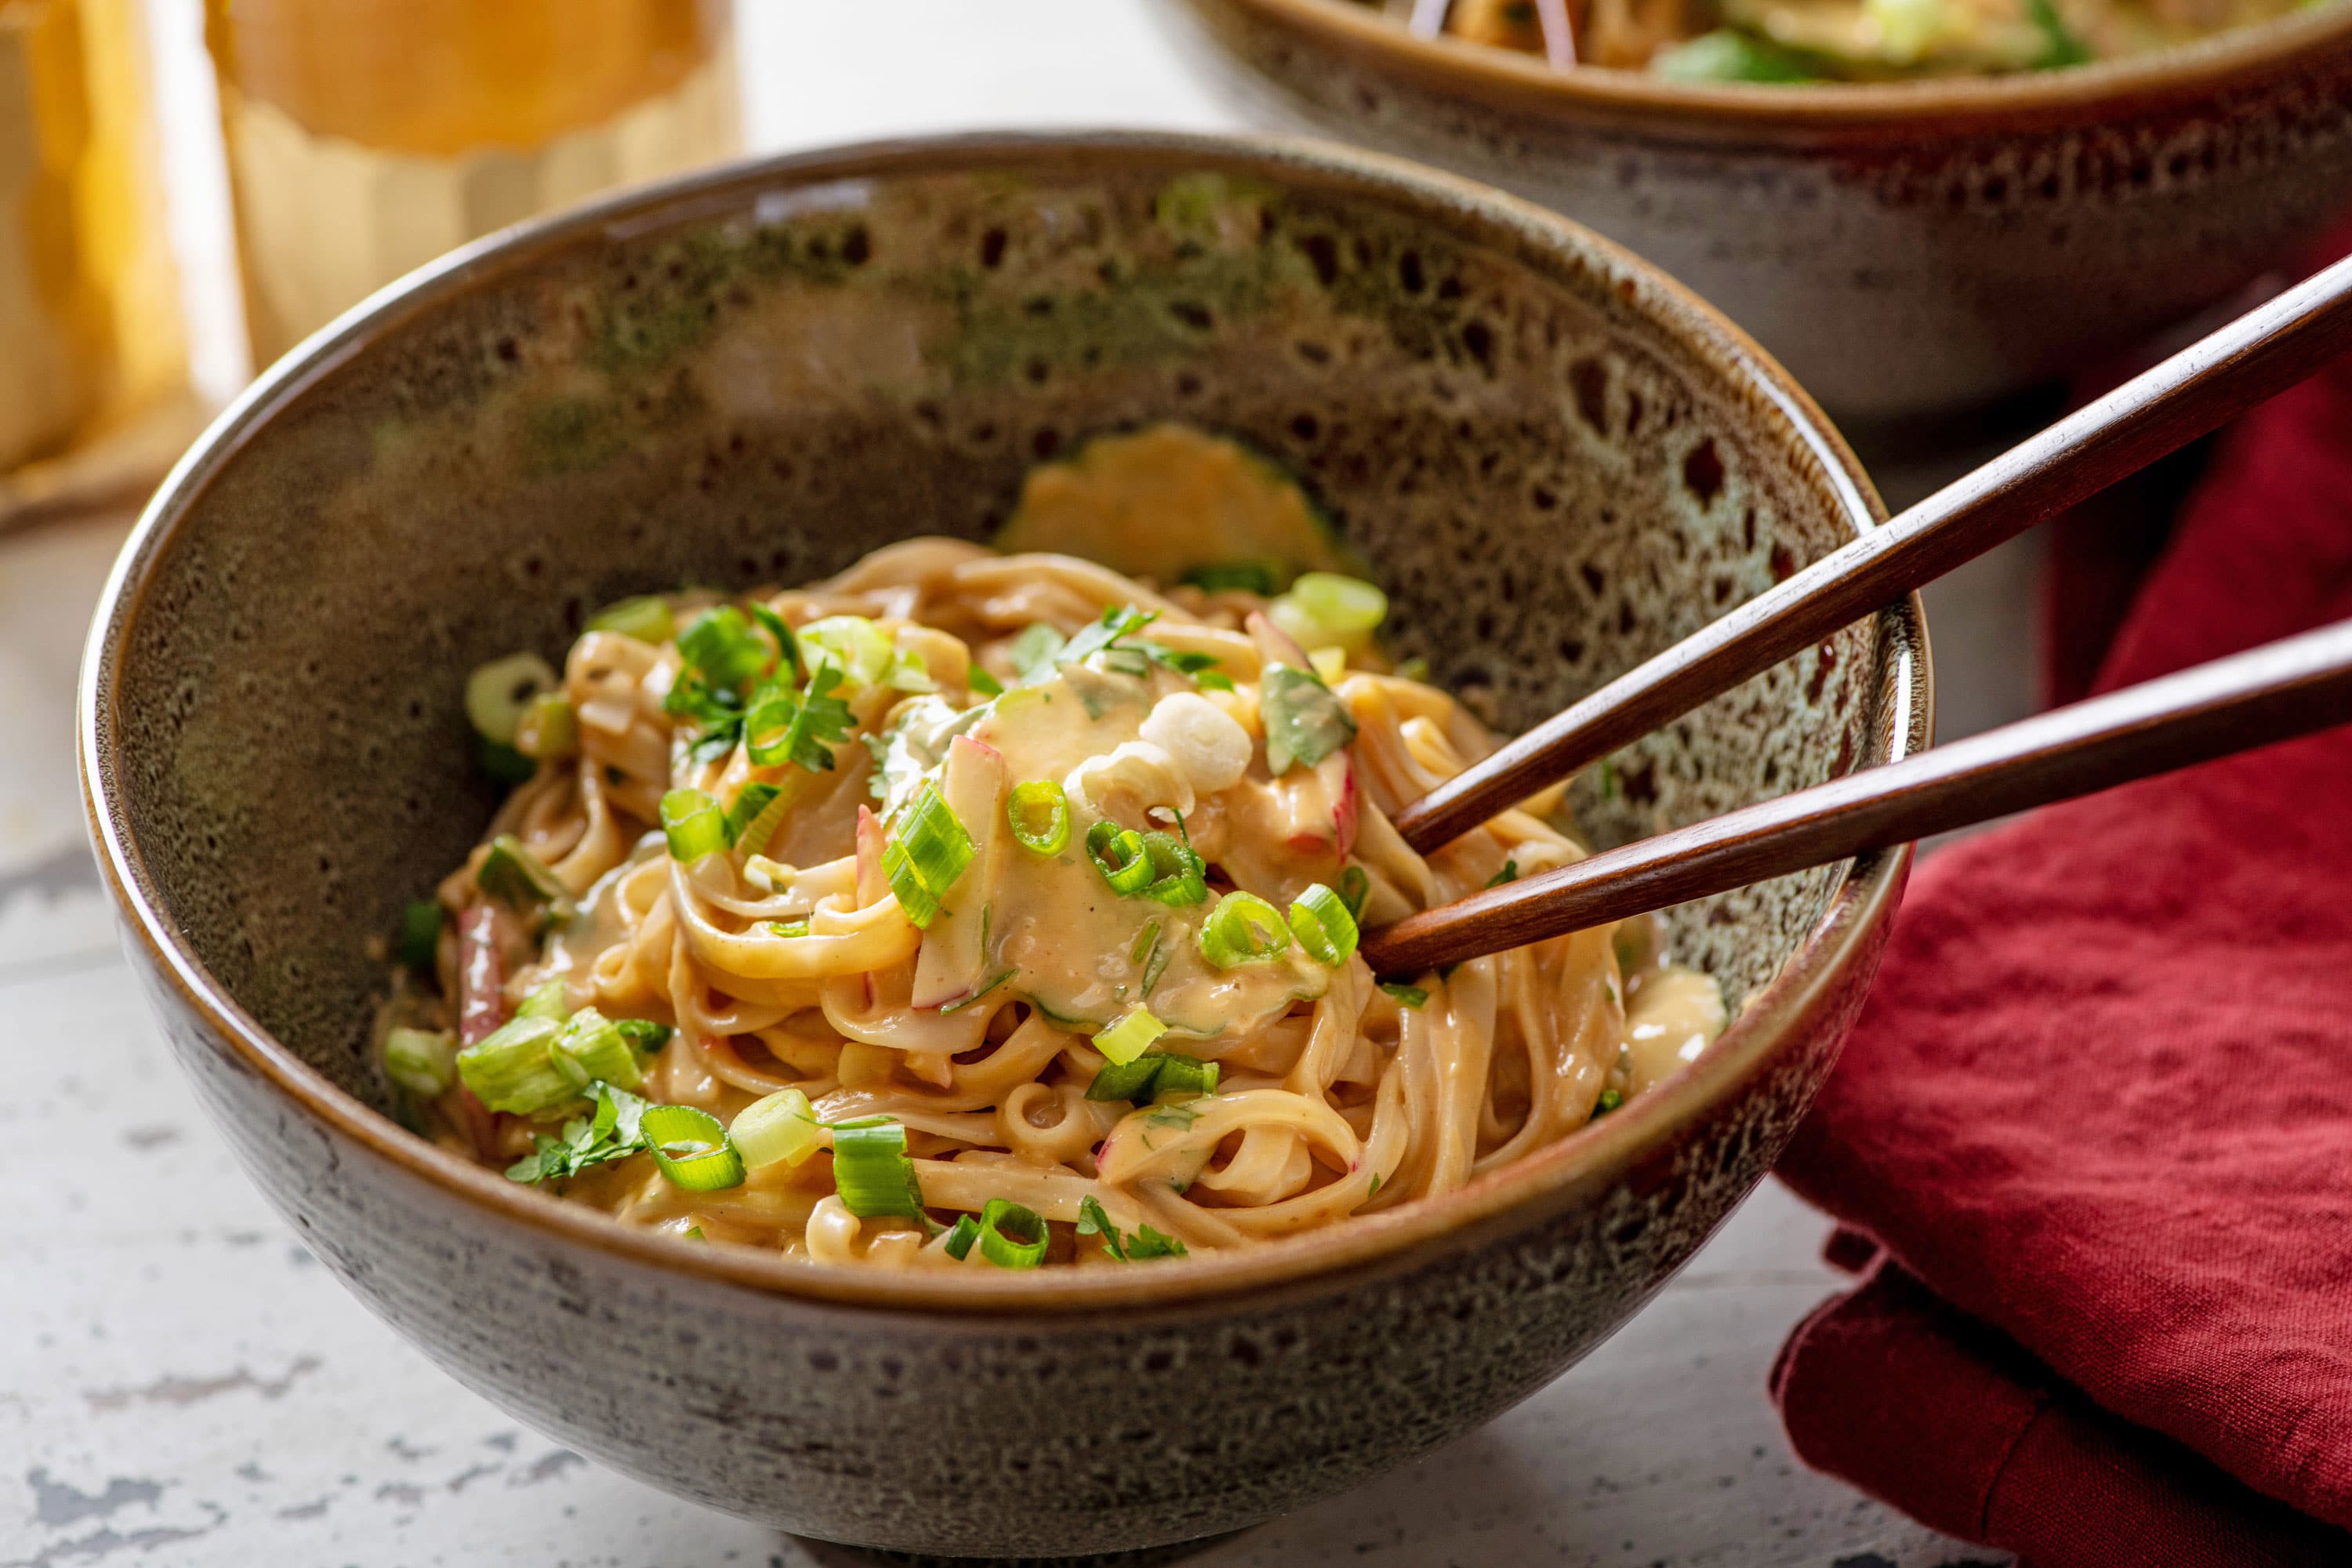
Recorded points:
(181, 1385)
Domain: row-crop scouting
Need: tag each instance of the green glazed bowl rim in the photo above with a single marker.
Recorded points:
(1637, 1143)
(1931, 109)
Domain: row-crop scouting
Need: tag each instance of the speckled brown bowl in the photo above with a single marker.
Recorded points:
(1558, 462)
(1902, 248)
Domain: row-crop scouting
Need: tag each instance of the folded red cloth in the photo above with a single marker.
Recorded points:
(2097, 1116)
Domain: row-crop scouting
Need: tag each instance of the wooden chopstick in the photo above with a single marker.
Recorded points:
(2272, 693)
(2210, 382)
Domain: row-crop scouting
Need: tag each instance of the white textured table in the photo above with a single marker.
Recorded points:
(181, 1385)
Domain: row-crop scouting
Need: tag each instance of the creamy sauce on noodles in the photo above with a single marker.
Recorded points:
(784, 896)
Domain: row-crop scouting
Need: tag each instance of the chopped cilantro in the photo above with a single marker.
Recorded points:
(1146, 1244)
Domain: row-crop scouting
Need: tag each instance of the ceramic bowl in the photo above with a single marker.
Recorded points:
(1557, 462)
(1903, 248)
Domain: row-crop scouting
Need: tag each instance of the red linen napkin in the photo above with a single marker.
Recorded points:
(2092, 1136)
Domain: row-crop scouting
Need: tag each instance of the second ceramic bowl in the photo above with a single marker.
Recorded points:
(1558, 463)
(1903, 247)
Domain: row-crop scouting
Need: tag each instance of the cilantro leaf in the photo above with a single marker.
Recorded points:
(612, 1131)
(1034, 651)
(1304, 722)
(1119, 621)
(1147, 1243)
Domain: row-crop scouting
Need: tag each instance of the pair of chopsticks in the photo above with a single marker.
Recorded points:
(2273, 693)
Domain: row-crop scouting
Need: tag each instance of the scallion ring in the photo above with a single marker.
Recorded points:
(1012, 1237)
(959, 1236)
(1039, 814)
(592, 1049)
(928, 850)
(421, 1061)
(1178, 873)
(872, 1171)
(693, 823)
(647, 619)
(497, 692)
(1355, 887)
(1119, 854)
(692, 1148)
(420, 933)
(1184, 1078)
(1131, 1036)
(781, 1127)
(509, 1070)
(1320, 920)
(1243, 928)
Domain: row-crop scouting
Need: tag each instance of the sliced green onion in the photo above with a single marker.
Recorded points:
(645, 619)
(693, 1233)
(720, 646)
(872, 1171)
(691, 1148)
(854, 646)
(1127, 1039)
(497, 692)
(592, 1049)
(1324, 609)
(509, 1070)
(789, 928)
(1509, 873)
(1184, 1078)
(1340, 603)
(1012, 1237)
(1610, 1100)
(1145, 941)
(1118, 853)
(927, 851)
(1128, 1080)
(781, 1127)
(1243, 928)
(506, 765)
(645, 1036)
(788, 646)
(961, 1235)
(693, 823)
(1320, 920)
(1355, 887)
(546, 1001)
(762, 825)
(1039, 813)
(980, 680)
(421, 1061)
(515, 876)
(754, 799)
(1407, 996)
(549, 730)
(1260, 577)
(420, 933)
(1178, 874)
(1214, 680)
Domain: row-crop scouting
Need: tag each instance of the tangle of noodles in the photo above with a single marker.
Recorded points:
(798, 968)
